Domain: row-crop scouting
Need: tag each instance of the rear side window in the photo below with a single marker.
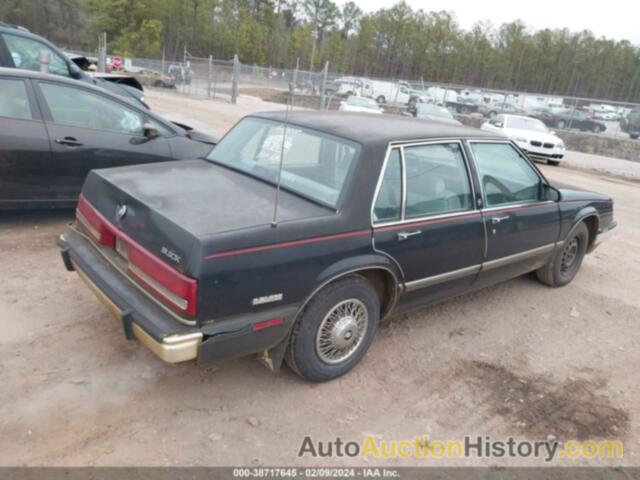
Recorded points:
(388, 204)
(80, 108)
(14, 101)
(437, 180)
(505, 176)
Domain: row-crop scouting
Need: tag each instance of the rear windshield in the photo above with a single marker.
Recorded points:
(434, 111)
(526, 123)
(314, 165)
(361, 102)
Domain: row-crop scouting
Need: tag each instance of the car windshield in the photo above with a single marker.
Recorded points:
(434, 111)
(362, 102)
(524, 123)
(315, 165)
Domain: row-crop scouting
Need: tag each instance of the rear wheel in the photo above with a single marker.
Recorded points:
(561, 124)
(555, 163)
(381, 100)
(334, 330)
(564, 265)
(493, 114)
(597, 129)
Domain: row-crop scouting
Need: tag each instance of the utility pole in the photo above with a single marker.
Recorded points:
(102, 52)
(323, 85)
(314, 37)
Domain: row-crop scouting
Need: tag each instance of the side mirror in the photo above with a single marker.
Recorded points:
(149, 131)
(549, 192)
(74, 71)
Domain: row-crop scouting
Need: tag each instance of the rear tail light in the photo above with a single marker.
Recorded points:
(92, 222)
(177, 291)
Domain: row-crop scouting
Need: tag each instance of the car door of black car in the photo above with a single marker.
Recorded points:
(90, 131)
(424, 217)
(522, 225)
(25, 157)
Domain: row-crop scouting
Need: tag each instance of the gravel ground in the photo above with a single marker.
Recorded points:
(516, 359)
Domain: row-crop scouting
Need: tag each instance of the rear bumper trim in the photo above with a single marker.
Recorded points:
(145, 321)
(173, 348)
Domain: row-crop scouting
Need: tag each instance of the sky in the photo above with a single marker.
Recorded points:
(617, 19)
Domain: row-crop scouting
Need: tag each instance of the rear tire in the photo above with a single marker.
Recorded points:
(597, 129)
(565, 263)
(381, 100)
(561, 124)
(334, 330)
(554, 163)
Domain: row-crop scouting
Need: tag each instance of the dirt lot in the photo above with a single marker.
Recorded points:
(517, 359)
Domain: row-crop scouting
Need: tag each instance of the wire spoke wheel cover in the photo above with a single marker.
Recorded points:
(342, 331)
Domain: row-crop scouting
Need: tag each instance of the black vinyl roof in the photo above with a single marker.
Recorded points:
(367, 128)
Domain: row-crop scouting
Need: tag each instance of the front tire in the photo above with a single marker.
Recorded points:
(334, 330)
(566, 262)
(561, 124)
(554, 163)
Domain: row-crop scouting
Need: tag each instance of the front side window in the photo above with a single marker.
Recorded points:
(437, 180)
(25, 53)
(80, 108)
(14, 101)
(506, 177)
(314, 164)
(388, 206)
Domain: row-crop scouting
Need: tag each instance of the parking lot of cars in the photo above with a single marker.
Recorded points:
(76, 392)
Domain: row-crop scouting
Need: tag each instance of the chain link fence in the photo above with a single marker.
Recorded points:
(229, 79)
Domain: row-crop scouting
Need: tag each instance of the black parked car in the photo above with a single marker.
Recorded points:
(20, 48)
(572, 118)
(376, 215)
(54, 130)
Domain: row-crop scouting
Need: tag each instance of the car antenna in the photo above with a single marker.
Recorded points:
(274, 220)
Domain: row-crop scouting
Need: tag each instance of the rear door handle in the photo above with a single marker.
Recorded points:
(405, 235)
(69, 141)
(496, 220)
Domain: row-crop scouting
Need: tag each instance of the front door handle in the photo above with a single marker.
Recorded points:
(69, 141)
(496, 220)
(405, 235)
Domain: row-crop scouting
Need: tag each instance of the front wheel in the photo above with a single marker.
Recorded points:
(561, 124)
(597, 129)
(554, 163)
(334, 330)
(564, 265)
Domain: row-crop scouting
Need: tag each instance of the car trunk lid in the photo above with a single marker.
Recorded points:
(171, 208)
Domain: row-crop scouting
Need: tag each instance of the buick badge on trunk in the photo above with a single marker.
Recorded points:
(301, 231)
